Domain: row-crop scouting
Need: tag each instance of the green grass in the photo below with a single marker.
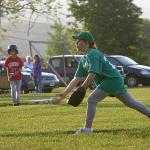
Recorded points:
(49, 127)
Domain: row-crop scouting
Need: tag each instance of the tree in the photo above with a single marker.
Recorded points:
(12, 9)
(144, 43)
(18, 7)
(60, 41)
(146, 28)
(115, 24)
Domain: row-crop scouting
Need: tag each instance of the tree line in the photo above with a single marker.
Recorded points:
(116, 25)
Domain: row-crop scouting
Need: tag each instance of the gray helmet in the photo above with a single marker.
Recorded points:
(12, 47)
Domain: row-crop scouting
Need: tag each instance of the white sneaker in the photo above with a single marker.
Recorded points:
(84, 131)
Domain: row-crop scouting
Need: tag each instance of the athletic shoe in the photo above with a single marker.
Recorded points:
(17, 104)
(84, 131)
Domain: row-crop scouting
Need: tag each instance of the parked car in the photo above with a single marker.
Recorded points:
(66, 66)
(4, 85)
(135, 73)
(49, 80)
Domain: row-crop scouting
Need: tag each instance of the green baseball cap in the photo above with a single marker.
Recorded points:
(87, 36)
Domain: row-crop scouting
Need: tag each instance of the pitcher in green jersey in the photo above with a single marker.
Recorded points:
(95, 67)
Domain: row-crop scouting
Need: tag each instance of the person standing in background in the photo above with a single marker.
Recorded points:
(28, 63)
(13, 65)
(36, 73)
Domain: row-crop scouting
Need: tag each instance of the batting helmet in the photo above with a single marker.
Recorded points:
(12, 47)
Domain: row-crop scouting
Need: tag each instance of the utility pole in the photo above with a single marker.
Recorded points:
(1, 13)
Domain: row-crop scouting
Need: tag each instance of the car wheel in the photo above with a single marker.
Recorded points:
(47, 90)
(131, 81)
(25, 91)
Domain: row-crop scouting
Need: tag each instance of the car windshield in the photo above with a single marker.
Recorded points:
(126, 61)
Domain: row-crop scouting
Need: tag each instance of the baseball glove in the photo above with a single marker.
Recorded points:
(77, 97)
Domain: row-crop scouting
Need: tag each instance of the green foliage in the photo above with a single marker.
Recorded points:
(48, 127)
(13, 9)
(143, 46)
(115, 24)
(146, 28)
(143, 51)
(116, 27)
(60, 42)
(18, 7)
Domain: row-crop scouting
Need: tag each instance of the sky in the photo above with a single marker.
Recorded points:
(145, 5)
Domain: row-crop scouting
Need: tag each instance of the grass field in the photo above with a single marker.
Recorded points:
(49, 127)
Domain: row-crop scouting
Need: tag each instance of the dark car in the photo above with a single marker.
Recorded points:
(66, 66)
(135, 73)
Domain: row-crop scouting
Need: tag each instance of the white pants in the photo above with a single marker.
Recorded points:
(15, 86)
(98, 95)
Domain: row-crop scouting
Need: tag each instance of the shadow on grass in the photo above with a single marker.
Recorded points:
(5, 104)
(10, 104)
(134, 132)
(31, 96)
(22, 104)
(26, 134)
(64, 105)
(103, 105)
(138, 132)
(28, 103)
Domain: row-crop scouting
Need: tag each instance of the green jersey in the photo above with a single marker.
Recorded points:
(107, 76)
(96, 62)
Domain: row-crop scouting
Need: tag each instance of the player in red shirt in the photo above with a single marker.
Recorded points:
(13, 65)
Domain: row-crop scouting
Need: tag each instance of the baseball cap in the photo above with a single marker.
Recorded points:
(87, 36)
(12, 47)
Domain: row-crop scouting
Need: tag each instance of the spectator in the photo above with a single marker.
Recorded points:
(28, 63)
(13, 65)
(37, 73)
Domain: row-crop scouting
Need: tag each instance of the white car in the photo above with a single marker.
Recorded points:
(49, 81)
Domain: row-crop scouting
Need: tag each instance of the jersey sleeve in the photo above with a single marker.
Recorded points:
(95, 64)
(20, 63)
(6, 63)
(81, 72)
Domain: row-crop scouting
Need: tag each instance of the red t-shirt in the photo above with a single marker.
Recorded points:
(13, 65)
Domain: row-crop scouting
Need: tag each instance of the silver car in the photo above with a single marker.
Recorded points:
(49, 81)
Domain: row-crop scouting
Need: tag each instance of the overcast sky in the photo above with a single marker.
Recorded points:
(145, 5)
